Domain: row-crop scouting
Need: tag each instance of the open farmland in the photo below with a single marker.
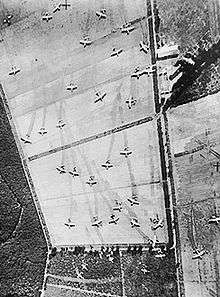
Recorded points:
(195, 139)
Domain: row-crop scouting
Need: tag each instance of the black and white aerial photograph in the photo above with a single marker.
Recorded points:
(109, 148)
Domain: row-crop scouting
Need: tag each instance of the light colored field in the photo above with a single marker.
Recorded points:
(66, 291)
(83, 117)
(63, 196)
(198, 184)
(50, 57)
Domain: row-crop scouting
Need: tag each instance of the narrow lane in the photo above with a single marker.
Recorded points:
(166, 169)
(91, 138)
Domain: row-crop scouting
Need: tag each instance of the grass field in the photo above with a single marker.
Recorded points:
(198, 184)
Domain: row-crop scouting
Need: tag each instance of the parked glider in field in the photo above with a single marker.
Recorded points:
(127, 28)
(131, 102)
(14, 70)
(107, 165)
(60, 124)
(61, 169)
(74, 172)
(101, 14)
(70, 224)
(96, 222)
(126, 152)
(42, 131)
(144, 47)
(214, 220)
(118, 206)
(7, 20)
(116, 52)
(71, 87)
(47, 17)
(85, 41)
(91, 181)
(99, 96)
(198, 254)
(156, 223)
(57, 7)
(134, 222)
(133, 200)
(114, 219)
(26, 139)
(139, 72)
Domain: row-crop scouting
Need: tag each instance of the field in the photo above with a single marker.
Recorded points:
(195, 27)
(93, 132)
(75, 199)
(134, 273)
(187, 23)
(23, 247)
(195, 138)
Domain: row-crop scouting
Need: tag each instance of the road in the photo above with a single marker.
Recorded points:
(91, 138)
(166, 162)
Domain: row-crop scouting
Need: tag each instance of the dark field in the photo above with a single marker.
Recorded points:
(184, 22)
(194, 26)
(139, 274)
(22, 243)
